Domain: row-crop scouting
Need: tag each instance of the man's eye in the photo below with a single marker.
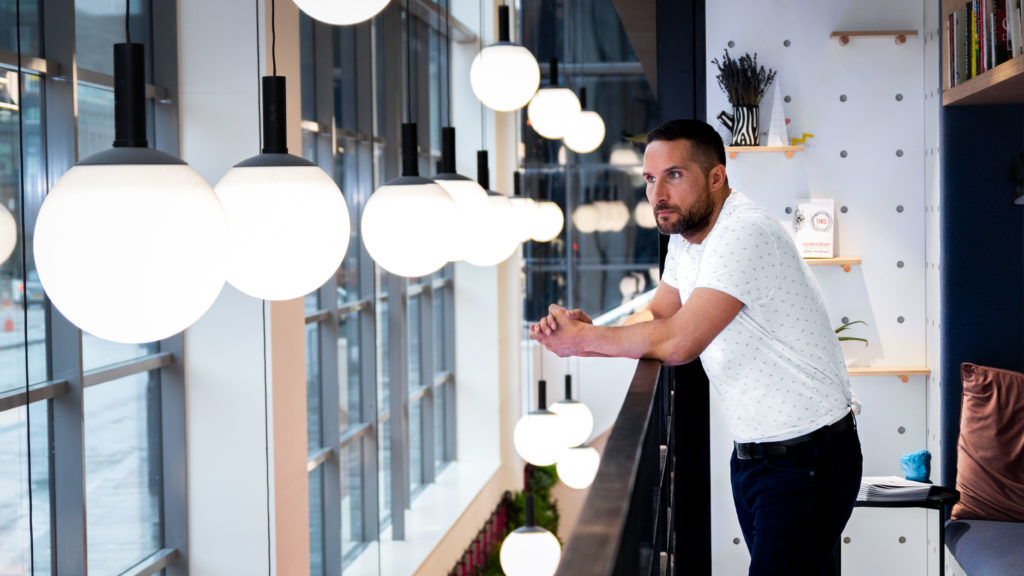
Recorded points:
(675, 174)
(650, 179)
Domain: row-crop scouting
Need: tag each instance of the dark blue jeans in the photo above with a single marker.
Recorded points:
(793, 509)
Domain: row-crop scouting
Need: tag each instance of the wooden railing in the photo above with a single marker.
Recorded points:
(626, 527)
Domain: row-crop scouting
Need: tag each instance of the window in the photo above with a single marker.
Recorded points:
(382, 410)
(98, 407)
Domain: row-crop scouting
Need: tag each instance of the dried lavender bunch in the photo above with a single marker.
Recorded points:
(742, 80)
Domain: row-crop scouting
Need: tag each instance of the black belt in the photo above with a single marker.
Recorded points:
(749, 450)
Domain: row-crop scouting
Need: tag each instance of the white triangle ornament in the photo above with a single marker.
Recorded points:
(778, 135)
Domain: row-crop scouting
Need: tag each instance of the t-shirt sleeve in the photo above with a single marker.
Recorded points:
(670, 275)
(742, 259)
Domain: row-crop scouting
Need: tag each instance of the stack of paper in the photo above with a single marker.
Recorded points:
(890, 489)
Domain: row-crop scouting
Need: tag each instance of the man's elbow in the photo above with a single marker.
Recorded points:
(677, 352)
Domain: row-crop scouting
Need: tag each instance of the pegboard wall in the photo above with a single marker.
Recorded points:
(872, 106)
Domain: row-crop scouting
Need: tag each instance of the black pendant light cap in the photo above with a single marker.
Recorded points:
(448, 149)
(542, 394)
(410, 163)
(568, 386)
(553, 72)
(133, 156)
(275, 118)
(274, 160)
(504, 17)
(130, 95)
(531, 513)
(483, 171)
(583, 97)
(516, 184)
(409, 181)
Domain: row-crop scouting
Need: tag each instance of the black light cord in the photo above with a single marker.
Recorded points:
(408, 60)
(24, 299)
(127, 28)
(273, 34)
(259, 74)
(448, 57)
(483, 118)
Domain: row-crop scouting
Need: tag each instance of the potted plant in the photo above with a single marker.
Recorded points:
(745, 83)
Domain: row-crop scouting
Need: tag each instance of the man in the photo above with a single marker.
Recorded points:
(736, 293)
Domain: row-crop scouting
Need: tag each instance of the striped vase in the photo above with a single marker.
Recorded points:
(745, 129)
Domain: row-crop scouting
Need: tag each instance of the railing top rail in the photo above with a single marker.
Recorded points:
(594, 545)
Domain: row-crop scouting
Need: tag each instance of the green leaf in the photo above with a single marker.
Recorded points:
(841, 338)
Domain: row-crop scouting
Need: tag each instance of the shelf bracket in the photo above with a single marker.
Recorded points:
(846, 267)
(732, 155)
(844, 40)
(904, 378)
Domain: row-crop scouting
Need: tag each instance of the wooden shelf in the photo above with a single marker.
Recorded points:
(1003, 84)
(734, 150)
(900, 36)
(844, 262)
(904, 372)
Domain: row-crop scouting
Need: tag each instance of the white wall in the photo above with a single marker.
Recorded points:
(872, 182)
(245, 359)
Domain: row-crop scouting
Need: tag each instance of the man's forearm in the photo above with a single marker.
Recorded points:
(654, 339)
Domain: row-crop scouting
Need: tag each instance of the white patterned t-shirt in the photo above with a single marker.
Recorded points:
(777, 367)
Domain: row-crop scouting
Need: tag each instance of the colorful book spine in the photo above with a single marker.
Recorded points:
(974, 37)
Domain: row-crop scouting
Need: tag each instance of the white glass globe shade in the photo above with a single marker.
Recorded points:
(539, 438)
(408, 226)
(578, 467)
(471, 206)
(585, 132)
(618, 215)
(625, 155)
(552, 110)
(577, 420)
(288, 229)
(549, 222)
(603, 215)
(525, 210)
(643, 214)
(131, 253)
(8, 234)
(585, 218)
(530, 551)
(495, 236)
(504, 76)
(341, 12)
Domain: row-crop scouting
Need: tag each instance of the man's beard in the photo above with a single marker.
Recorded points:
(693, 221)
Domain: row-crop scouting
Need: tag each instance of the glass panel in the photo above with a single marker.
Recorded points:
(383, 365)
(346, 168)
(351, 500)
(384, 474)
(439, 400)
(349, 392)
(313, 387)
(316, 522)
(413, 336)
(14, 498)
(122, 472)
(99, 24)
(415, 444)
(311, 302)
(22, 301)
(439, 343)
(29, 27)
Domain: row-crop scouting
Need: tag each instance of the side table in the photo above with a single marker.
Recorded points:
(939, 498)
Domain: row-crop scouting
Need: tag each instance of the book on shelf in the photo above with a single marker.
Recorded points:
(981, 36)
(814, 227)
(891, 489)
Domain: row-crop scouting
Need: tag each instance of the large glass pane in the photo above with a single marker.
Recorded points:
(351, 500)
(316, 522)
(29, 27)
(439, 343)
(122, 472)
(346, 167)
(439, 412)
(14, 493)
(384, 474)
(349, 392)
(383, 365)
(22, 301)
(313, 387)
(99, 24)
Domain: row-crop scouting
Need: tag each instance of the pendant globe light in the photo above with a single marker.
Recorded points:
(549, 221)
(408, 223)
(8, 234)
(643, 215)
(585, 130)
(525, 209)
(530, 550)
(288, 223)
(504, 75)
(553, 108)
(539, 436)
(577, 468)
(341, 12)
(470, 198)
(131, 243)
(576, 416)
(494, 236)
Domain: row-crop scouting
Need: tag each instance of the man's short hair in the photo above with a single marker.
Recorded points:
(706, 144)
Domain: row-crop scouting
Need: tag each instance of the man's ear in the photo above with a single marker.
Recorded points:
(717, 177)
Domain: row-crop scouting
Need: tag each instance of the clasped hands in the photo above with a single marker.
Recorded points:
(561, 331)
